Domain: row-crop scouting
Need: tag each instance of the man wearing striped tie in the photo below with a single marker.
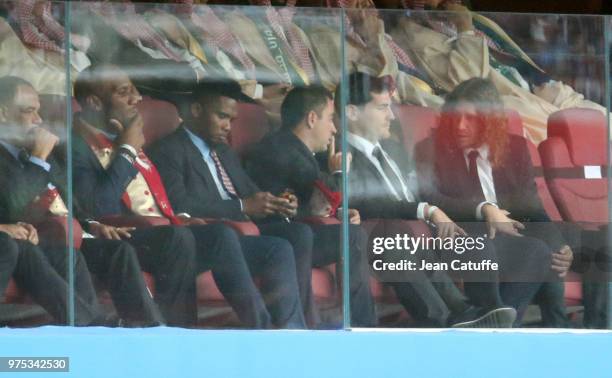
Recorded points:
(113, 176)
(204, 177)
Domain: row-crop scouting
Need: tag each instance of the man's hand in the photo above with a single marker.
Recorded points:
(446, 228)
(461, 17)
(498, 221)
(263, 204)
(191, 221)
(21, 231)
(334, 160)
(132, 134)
(353, 215)
(40, 142)
(562, 260)
(104, 231)
(290, 210)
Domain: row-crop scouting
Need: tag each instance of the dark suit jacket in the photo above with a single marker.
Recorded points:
(189, 183)
(444, 181)
(368, 192)
(99, 190)
(22, 182)
(282, 161)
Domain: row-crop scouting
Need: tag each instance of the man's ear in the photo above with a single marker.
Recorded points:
(195, 110)
(352, 112)
(94, 102)
(311, 119)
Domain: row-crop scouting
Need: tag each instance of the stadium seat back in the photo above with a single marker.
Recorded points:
(575, 159)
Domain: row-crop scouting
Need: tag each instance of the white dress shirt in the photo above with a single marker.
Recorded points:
(485, 175)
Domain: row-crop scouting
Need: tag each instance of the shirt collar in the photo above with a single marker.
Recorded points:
(14, 151)
(362, 144)
(198, 142)
(483, 152)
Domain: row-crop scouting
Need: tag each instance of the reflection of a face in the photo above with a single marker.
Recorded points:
(324, 128)
(466, 126)
(22, 113)
(374, 118)
(215, 121)
(121, 98)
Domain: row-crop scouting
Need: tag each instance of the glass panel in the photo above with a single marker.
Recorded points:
(35, 270)
(177, 99)
(475, 124)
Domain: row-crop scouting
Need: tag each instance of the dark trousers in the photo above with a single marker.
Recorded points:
(524, 263)
(320, 245)
(41, 274)
(167, 252)
(234, 260)
(429, 297)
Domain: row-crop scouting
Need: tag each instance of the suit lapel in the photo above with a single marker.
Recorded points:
(195, 159)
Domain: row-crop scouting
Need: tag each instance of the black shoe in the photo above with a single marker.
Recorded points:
(474, 317)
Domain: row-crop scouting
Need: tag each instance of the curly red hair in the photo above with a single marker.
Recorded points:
(494, 124)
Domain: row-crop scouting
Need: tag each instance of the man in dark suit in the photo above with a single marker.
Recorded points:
(380, 187)
(113, 176)
(34, 187)
(285, 161)
(205, 178)
(36, 272)
(482, 175)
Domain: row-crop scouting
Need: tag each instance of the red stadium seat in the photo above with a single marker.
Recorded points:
(575, 159)
(416, 122)
(515, 127)
(160, 118)
(249, 127)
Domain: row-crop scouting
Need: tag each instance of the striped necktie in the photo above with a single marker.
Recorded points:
(223, 176)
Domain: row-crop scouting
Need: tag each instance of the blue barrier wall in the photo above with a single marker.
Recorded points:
(167, 352)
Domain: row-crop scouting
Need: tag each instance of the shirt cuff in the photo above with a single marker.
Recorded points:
(421, 211)
(41, 163)
(131, 149)
(258, 92)
(479, 215)
(184, 215)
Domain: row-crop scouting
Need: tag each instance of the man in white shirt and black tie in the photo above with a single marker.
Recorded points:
(379, 187)
(476, 171)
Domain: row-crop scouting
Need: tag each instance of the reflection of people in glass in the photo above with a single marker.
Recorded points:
(477, 172)
(379, 187)
(369, 49)
(34, 188)
(113, 176)
(454, 49)
(286, 160)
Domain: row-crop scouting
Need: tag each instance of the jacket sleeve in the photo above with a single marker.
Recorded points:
(99, 190)
(20, 188)
(175, 172)
(431, 187)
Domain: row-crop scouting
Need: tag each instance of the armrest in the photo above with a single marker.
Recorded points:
(320, 220)
(134, 221)
(243, 228)
(53, 232)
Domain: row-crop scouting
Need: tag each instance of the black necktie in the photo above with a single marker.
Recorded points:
(473, 173)
(389, 172)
